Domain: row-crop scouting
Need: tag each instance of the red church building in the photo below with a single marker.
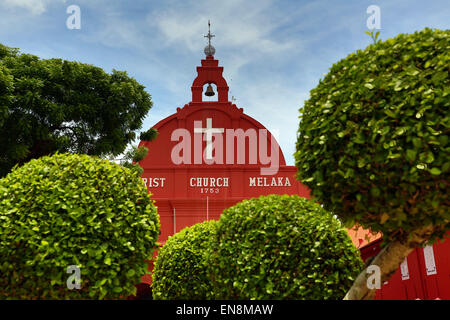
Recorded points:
(209, 155)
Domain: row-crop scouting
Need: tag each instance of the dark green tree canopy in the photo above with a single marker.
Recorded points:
(281, 247)
(69, 209)
(373, 138)
(6, 89)
(181, 267)
(55, 105)
(149, 135)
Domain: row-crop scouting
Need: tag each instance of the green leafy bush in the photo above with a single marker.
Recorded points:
(70, 209)
(181, 269)
(373, 137)
(281, 247)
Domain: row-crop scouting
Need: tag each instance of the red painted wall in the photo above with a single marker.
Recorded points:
(174, 186)
(420, 285)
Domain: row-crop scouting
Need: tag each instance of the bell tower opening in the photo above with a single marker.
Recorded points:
(209, 85)
(210, 92)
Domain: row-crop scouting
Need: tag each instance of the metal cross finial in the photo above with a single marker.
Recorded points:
(209, 35)
(209, 49)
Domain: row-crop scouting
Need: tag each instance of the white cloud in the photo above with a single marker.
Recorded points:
(239, 25)
(35, 7)
(171, 35)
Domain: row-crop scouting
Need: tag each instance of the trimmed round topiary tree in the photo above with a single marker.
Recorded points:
(373, 142)
(181, 268)
(74, 210)
(281, 247)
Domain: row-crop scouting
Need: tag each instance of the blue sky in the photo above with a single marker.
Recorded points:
(273, 52)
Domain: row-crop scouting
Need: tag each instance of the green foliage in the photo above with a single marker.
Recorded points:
(181, 268)
(133, 156)
(281, 247)
(55, 105)
(6, 89)
(373, 138)
(71, 209)
(149, 135)
(7, 51)
(374, 35)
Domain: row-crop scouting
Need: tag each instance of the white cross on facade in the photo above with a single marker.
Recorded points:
(208, 131)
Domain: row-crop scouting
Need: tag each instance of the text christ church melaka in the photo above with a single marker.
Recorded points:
(209, 155)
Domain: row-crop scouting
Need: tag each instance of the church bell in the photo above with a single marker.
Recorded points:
(209, 91)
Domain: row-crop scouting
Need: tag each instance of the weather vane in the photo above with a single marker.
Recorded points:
(209, 49)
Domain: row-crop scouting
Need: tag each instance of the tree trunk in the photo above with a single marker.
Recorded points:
(388, 260)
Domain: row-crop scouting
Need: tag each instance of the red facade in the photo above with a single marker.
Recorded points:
(424, 275)
(191, 184)
(189, 187)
